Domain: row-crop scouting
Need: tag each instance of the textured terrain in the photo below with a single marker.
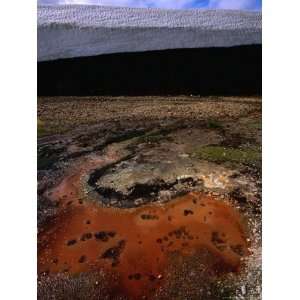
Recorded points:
(73, 31)
(149, 198)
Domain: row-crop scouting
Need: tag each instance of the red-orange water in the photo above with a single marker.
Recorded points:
(136, 243)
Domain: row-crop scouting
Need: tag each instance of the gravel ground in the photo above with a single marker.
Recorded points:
(60, 114)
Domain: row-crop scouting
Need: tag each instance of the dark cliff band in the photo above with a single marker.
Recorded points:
(202, 71)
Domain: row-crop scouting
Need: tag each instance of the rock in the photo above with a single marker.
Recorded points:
(243, 290)
(165, 195)
(183, 155)
(138, 201)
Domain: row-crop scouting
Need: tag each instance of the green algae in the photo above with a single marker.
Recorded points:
(247, 155)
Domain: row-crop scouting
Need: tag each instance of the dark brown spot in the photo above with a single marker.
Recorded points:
(71, 242)
(86, 236)
(215, 238)
(137, 276)
(218, 241)
(104, 235)
(152, 277)
(149, 217)
(115, 263)
(82, 259)
(187, 212)
(114, 253)
(238, 195)
(238, 249)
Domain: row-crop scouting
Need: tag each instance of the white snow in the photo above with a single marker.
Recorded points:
(66, 31)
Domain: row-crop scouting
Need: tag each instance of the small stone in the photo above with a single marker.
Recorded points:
(165, 195)
(243, 290)
(138, 201)
(183, 155)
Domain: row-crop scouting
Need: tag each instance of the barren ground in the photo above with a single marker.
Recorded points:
(149, 198)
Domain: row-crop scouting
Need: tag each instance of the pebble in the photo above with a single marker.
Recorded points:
(243, 290)
(138, 201)
(183, 155)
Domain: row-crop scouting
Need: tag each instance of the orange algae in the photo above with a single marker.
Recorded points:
(136, 244)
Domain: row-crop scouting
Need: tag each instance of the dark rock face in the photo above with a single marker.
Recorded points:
(202, 71)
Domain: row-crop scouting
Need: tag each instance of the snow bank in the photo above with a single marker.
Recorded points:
(79, 30)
